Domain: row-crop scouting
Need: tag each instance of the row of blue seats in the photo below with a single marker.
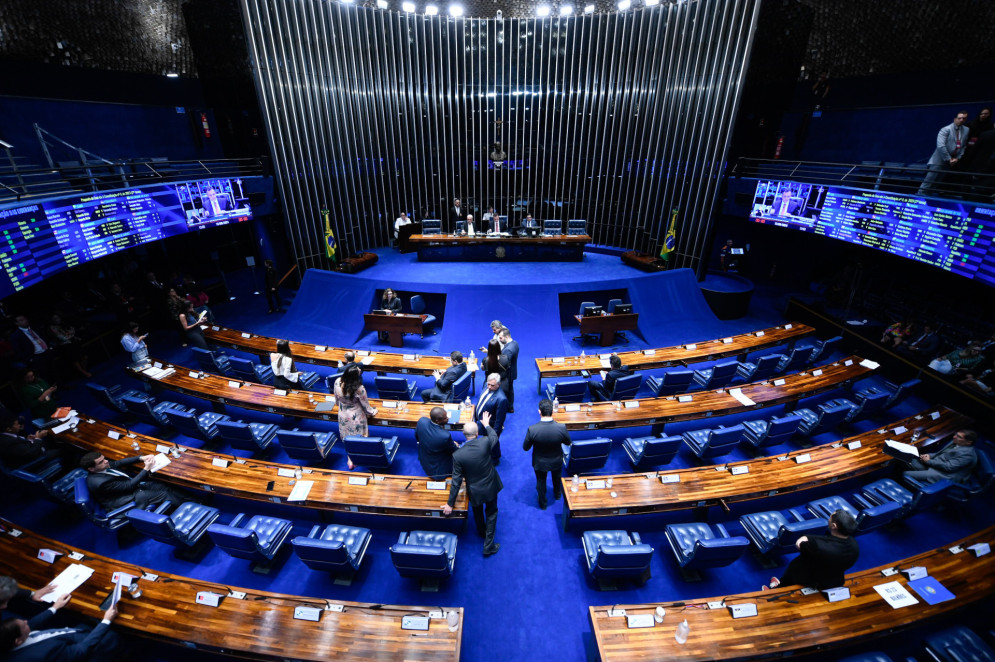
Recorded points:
(954, 644)
(719, 375)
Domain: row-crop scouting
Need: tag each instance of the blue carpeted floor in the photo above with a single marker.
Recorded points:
(529, 601)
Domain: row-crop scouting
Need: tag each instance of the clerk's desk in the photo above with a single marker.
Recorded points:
(708, 486)
(259, 626)
(789, 623)
(250, 479)
(664, 357)
(260, 397)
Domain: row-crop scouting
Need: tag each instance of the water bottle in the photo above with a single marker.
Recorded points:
(556, 404)
(575, 483)
(583, 356)
(467, 404)
(473, 357)
(682, 632)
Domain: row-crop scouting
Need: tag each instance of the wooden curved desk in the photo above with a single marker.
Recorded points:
(403, 496)
(664, 357)
(804, 625)
(260, 397)
(703, 404)
(703, 487)
(261, 626)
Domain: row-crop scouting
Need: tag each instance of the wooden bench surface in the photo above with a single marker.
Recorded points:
(248, 478)
(788, 622)
(261, 397)
(261, 626)
(706, 486)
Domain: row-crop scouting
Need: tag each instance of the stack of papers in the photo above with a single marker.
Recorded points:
(158, 462)
(68, 581)
(301, 490)
(742, 399)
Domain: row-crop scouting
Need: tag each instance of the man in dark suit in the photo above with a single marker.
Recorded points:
(509, 350)
(456, 214)
(602, 391)
(546, 439)
(955, 462)
(25, 641)
(112, 488)
(17, 449)
(435, 444)
(30, 348)
(444, 380)
(493, 401)
(823, 559)
(925, 346)
(9, 590)
(473, 462)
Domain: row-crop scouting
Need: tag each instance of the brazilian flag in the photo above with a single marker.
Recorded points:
(330, 245)
(670, 242)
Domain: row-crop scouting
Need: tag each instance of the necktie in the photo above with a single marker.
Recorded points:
(115, 472)
(483, 400)
(497, 224)
(40, 345)
(41, 635)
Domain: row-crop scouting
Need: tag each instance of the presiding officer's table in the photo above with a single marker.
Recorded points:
(395, 326)
(607, 325)
(500, 248)
(259, 625)
(257, 480)
(789, 623)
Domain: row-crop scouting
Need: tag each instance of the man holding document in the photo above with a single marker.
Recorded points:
(112, 487)
(24, 641)
(954, 463)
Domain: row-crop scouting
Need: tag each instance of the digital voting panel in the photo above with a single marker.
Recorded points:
(40, 239)
(954, 236)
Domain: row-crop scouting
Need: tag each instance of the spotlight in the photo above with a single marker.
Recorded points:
(408, 7)
(456, 10)
(624, 4)
(652, 3)
(383, 4)
(566, 10)
(172, 74)
(589, 9)
(431, 10)
(347, 2)
(542, 11)
(499, 14)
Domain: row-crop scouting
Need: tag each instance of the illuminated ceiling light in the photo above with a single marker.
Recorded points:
(431, 10)
(566, 10)
(346, 2)
(652, 3)
(172, 74)
(456, 10)
(624, 4)
(408, 7)
(588, 9)
(383, 4)
(542, 11)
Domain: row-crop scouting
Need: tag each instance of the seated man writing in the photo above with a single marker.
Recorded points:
(112, 488)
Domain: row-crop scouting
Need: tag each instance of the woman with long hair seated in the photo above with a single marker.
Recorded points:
(354, 407)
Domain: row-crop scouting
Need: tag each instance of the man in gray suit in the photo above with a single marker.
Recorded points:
(954, 463)
(950, 144)
(473, 461)
(547, 439)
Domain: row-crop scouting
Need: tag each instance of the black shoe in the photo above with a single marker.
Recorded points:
(511, 411)
(493, 550)
(556, 496)
(270, 312)
(542, 505)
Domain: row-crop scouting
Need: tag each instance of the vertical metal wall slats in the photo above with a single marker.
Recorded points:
(614, 118)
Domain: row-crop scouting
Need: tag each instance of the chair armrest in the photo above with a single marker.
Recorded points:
(121, 510)
(722, 530)
(314, 531)
(402, 538)
(797, 515)
(163, 507)
(862, 501)
(636, 540)
(238, 520)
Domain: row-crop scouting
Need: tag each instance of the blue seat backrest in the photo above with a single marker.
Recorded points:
(725, 436)
(570, 389)
(461, 387)
(296, 439)
(235, 430)
(662, 447)
(590, 447)
(783, 426)
(422, 557)
(831, 416)
(366, 446)
(229, 537)
(626, 387)
(326, 551)
(431, 226)
(624, 556)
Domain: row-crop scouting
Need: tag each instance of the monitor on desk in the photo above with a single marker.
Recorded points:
(379, 311)
(592, 311)
(623, 309)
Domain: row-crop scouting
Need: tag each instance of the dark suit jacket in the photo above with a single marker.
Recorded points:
(112, 491)
(70, 647)
(473, 462)
(928, 345)
(394, 305)
(497, 405)
(449, 377)
(511, 351)
(16, 451)
(24, 349)
(435, 449)
(460, 215)
(545, 438)
(614, 375)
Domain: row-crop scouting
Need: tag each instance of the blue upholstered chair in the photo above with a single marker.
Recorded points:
(200, 426)
(211, 361)
(63, 490)
(616, 555)
(761, 434)
(586, 336)
(39, 471)
(247, 436)
(572, 390)
(652, 451)
(109, 520)
(794, 360)
(585, 455)
(823, 349)
(924, 497)
(371, 452)
(431, 226)
(867, 405)
(330, 381)
(424, 554)
(626, 387)
(576, 226)
(896, 392)
(611, 305)
(772, 532)
(869, 517)
(958, 644)
(759, 371)
(111, 395)
(552, 227)
(395, 388)
(306, 446)
(461, 388)
(981, 480)
(697, 545)
(417, 304)
(826, 418)
(148, 410)
(670, 382)
(183, 528)
(713, 442)
(257, 539)
(339, 549)
(250, 371)
(717, 376)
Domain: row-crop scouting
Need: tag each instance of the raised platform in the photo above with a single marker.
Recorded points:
(728, 295)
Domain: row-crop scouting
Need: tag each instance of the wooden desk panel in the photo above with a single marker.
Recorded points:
(480, 247)
(419, 240)
(702, 487)
(404, 496)
(664, 357)
(259, 627)
(395, 326)
(805, 625)
(606, 326)
(261, 397)
(657, 411)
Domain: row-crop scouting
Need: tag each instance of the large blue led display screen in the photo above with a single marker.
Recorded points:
(40, 239)
(956, 237)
